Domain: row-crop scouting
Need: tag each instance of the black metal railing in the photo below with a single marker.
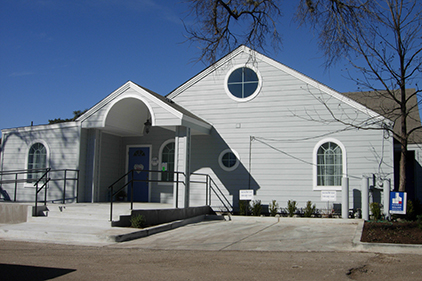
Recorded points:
(212, 188)
(129, 182)
(37, 176)
(44, 179)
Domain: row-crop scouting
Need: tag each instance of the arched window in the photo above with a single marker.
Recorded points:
(37, 159)
(167, 161)
(330, 166)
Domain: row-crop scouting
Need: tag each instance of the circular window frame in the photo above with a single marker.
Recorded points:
(220, 160)
(254, 94)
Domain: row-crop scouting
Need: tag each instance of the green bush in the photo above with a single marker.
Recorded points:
(244, 208)
(309, 210)
(256, 208)
(272, 208)
(419, 221)
(376, 210)
(291, 208)
(137, 221)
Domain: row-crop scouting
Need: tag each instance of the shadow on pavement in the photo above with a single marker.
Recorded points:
(27, 272)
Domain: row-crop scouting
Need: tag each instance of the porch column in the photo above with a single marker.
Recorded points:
(182, 164)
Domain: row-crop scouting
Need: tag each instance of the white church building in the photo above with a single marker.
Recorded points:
(246, 122)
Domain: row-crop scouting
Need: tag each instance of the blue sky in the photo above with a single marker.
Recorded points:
(57, 56)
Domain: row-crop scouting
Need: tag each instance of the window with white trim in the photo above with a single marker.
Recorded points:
(228, 160)
(329, 165)
(167, 161)
(37, 159)
(243, 83)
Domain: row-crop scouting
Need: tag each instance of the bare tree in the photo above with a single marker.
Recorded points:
(382, 39)
(221, 25)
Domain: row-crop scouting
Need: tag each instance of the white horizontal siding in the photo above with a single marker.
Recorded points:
(286, 110)
(62, 143)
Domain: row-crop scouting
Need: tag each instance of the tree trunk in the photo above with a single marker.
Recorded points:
(403, 138)
(403, 159)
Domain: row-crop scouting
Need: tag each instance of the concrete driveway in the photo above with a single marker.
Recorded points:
(256, 234)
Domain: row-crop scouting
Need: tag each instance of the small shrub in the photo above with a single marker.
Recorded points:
(291, 208)
(244, 208)
(272, 208)
(137, 221)
(256, 208)
(376, 210)
(419, 221)
(309, 210)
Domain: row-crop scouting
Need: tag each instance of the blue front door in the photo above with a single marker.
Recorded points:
(139, 161)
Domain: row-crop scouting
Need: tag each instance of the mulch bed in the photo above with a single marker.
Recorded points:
(392, 232)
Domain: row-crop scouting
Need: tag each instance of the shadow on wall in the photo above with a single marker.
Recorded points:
(205, 152)
(60, 142)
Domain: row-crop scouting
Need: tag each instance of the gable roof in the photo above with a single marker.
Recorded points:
(180, 115)
(256, 55)
(383, 104)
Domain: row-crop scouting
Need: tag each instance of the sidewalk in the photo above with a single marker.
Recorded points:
(238, 233)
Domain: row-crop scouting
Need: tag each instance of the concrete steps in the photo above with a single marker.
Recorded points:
(73, 223)
(86, 224)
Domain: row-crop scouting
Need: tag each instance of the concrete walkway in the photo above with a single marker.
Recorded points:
(269, 234)
(238, 233)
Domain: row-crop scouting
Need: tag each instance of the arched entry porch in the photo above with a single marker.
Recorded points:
(133, 125)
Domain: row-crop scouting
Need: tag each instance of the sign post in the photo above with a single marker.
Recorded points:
(246, 195)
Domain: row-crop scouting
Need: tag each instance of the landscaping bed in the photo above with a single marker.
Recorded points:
(406, 232)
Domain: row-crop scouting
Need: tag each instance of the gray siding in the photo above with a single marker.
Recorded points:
(62, 143)
(288, 119)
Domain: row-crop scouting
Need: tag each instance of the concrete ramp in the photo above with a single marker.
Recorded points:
(88, 223)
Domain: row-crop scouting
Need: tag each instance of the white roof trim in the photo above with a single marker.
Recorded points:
(207, 71)
(146, 97)
(276, 64)
(42, 127)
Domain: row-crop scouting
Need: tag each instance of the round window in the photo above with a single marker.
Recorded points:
(228, 160)
(243, 83)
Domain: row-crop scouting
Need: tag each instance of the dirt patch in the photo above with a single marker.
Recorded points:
(392, 232)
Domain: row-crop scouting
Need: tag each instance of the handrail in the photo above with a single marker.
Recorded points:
(209, 182)
(57, 177)
(47, 179)
(221, 193)
(111, 187)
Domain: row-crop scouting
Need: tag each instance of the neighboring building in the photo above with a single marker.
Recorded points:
(247, 121)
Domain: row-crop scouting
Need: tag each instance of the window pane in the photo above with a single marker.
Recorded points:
(243, 82)
(37, 159)
(329, 165)
(168, 157)
(229, 159)
(236, 76)
(236, 90)
(249, 89)
(249, 75)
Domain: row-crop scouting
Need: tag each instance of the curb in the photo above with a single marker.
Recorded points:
(154, 229)
(385, 248)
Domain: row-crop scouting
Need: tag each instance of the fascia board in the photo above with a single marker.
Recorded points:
(159, 102)
(42, 127)
(321, 87)
(282, 67)
(104, 102)
(196, 124)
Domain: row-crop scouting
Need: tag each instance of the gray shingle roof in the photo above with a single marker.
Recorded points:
(384, 104)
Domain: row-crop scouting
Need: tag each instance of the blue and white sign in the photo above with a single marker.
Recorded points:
(398, 202)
